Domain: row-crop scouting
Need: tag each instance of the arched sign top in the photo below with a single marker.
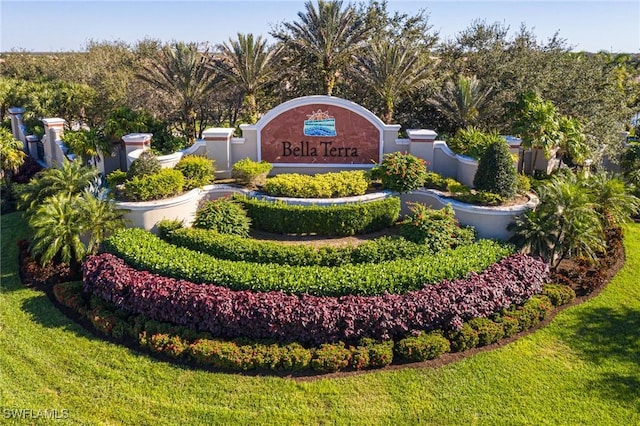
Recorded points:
(324, 100)
(321, 130)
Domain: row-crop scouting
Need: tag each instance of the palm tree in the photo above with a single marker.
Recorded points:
(11, 155)
(565, 224)
(612, 200)
(182, 75)
(87, 144)
(326, 39)
(69, 226)
(248, 64)
(57, 230)
(391, 70)
(71, 178)
(462, 102)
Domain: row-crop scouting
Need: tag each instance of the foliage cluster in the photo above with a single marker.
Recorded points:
(573, 216)
(251, 173)
(197, 171)
(496, 172)
(242, 354)
(163, 184)
(341, 219)
(224, 216)
(402, 172)
(230, 247)
(146, 164)
(313, 319)
(144, 250)
(472, 142)
(436, 229)
(325, 185)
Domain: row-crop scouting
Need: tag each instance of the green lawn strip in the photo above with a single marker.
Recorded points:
(581, 369)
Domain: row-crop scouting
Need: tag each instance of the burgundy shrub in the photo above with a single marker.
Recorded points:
(313, 319)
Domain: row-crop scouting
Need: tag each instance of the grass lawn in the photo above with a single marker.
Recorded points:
(582, 369)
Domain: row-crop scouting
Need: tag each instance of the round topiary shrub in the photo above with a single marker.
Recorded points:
(146, 164)
(198, 171)
(496, 172)
(402, 172)
(224, 216)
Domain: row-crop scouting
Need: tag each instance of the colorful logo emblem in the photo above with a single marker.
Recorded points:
(320, 123)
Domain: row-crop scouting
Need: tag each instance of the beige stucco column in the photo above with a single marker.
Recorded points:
(421, 143)
(218, 142)
(17, 128)
(52, 141)
(134, 142)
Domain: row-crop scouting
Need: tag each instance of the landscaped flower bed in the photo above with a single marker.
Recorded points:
(145, 251)
(312, 319)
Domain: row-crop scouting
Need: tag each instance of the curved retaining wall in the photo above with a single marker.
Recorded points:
(490, 222)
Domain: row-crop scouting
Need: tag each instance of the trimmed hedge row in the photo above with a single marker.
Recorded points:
(342, 219)
(242, 354)
(313, 319)
(231, 247)
(323, 185)
(144, 250)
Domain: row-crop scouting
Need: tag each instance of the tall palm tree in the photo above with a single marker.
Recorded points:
(391, 70)
(248, 64)
(182, 75)
(462, 102)
(326, 39)
(612, 199)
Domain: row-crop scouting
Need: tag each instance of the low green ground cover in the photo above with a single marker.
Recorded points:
(581, 369)
(145, 251)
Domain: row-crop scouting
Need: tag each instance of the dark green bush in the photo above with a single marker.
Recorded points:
(481, 198)
(146, 164)
(558, 294)
(463, 339)
(380, 353)
(232, 247)
(402, 172)
(496, 172)
(330, 357)
(144, 250)
(115, 178)
(423, 347)
(342, 219)
(359, 357)
(198, 171)
(531, 312)
(224, 216)
(510, 325)
(435, 229)
(251, 173)
(488, 331)
(166, 183)
(325, 185)
(167, 226)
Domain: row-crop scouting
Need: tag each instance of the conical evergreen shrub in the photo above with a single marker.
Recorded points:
(496, 172)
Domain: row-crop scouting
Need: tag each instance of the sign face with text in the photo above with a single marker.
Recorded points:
(320, 134)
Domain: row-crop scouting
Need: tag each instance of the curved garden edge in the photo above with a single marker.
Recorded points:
(490, 222)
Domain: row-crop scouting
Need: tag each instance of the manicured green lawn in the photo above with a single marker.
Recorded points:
(582, 369)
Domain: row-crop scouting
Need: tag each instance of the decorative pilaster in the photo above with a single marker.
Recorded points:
(52, 141)
(135, 141)
(17, 127)
(218, 142)
(421, 143)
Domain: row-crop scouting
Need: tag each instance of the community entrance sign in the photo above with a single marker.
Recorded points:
(320, 130)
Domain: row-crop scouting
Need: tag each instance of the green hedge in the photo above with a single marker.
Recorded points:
(324, 185)
(165, 183)
(145, 251)
(231, 247)
(341, 219)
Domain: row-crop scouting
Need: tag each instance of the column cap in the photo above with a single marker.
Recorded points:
(421, 135)
(16, 110)
(53, 122)
(218, 133)
(137, 138)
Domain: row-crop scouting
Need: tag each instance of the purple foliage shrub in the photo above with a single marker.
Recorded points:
(313, 319)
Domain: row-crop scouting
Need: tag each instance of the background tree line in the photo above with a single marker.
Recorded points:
(394, 64)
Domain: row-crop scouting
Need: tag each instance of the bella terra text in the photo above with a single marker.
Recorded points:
(323, 149)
